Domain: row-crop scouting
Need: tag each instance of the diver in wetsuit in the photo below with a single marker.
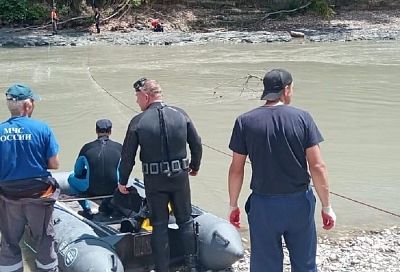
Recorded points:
(96, 169)
(162, 132)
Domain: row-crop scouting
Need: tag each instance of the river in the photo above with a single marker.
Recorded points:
(351, 89)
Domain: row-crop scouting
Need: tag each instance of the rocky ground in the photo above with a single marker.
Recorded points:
(232, 28)
(374, 251)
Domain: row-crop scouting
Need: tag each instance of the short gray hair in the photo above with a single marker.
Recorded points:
(152, 87)
(16, 106)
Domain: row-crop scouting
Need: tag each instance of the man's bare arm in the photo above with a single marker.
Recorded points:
(53, 162)
(235, 178)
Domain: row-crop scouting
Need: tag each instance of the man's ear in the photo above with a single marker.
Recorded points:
(28, 109)
(27, 106)
(286, 91)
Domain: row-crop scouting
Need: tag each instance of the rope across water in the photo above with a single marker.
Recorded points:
(230, 155)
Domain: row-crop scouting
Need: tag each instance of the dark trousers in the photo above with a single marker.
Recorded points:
(288, 216)
(161, 190)
(54, 25)
(98, 27)
(79, 186)
(37, 214)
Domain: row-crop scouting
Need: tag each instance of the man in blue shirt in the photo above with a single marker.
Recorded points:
(96, 169)
(28, 149)
(282, 143)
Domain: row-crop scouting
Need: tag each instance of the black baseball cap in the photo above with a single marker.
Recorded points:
(274, 82)
(103, 125)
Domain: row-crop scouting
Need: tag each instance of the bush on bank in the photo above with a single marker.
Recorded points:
(22, 11)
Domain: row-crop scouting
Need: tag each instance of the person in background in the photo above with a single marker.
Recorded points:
(282, 143)
(54, 19)
(156, 25)
(162, 132)
(96, 169)
(28, 148)
(97, 19)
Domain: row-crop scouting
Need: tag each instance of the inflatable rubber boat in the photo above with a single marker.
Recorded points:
(100, 244)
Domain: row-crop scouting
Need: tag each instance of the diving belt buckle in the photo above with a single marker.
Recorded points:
(155, 168)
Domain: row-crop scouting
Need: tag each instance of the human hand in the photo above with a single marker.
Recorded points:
(234, 216)
(123, 189)
(192, 172)
(132, 190)
(328, 217)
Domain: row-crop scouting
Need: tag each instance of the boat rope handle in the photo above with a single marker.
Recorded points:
(84, 198)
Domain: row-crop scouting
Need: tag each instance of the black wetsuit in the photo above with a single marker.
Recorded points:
(103, 156)
(162, 132)
(97, 21)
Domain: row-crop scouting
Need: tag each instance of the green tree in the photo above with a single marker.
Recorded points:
(19, 11)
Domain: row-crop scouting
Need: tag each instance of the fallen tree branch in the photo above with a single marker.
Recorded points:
(286, 11)
(246, 83)
(123, 14)
(117, 12)
(47, 25)
(73, 19)
(219, 85)
(28, 27)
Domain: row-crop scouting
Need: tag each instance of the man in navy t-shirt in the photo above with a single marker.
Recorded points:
(28, 149)
(282, 143)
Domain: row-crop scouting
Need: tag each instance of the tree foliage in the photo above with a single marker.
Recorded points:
(323, 8)
(19, 11)
(32, 11)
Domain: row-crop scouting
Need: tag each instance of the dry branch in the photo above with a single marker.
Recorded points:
(47, 25)
(117, 12)
(285, 11)
(246, 83)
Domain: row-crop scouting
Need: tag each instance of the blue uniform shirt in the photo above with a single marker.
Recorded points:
(26, 145)
(276, 139)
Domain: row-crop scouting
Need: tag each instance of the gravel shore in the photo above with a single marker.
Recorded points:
(344, 27)
(372, 251)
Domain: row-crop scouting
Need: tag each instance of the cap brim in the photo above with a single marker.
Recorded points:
(35, 97)
(271, 96)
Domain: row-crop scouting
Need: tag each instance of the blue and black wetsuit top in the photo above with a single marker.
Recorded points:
(103, 157)
(162, 132)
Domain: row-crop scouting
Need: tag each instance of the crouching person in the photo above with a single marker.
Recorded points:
(28, 148)
(95, 171)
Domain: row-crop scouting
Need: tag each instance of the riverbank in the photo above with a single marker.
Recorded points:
(368, 251)
(346, 26)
